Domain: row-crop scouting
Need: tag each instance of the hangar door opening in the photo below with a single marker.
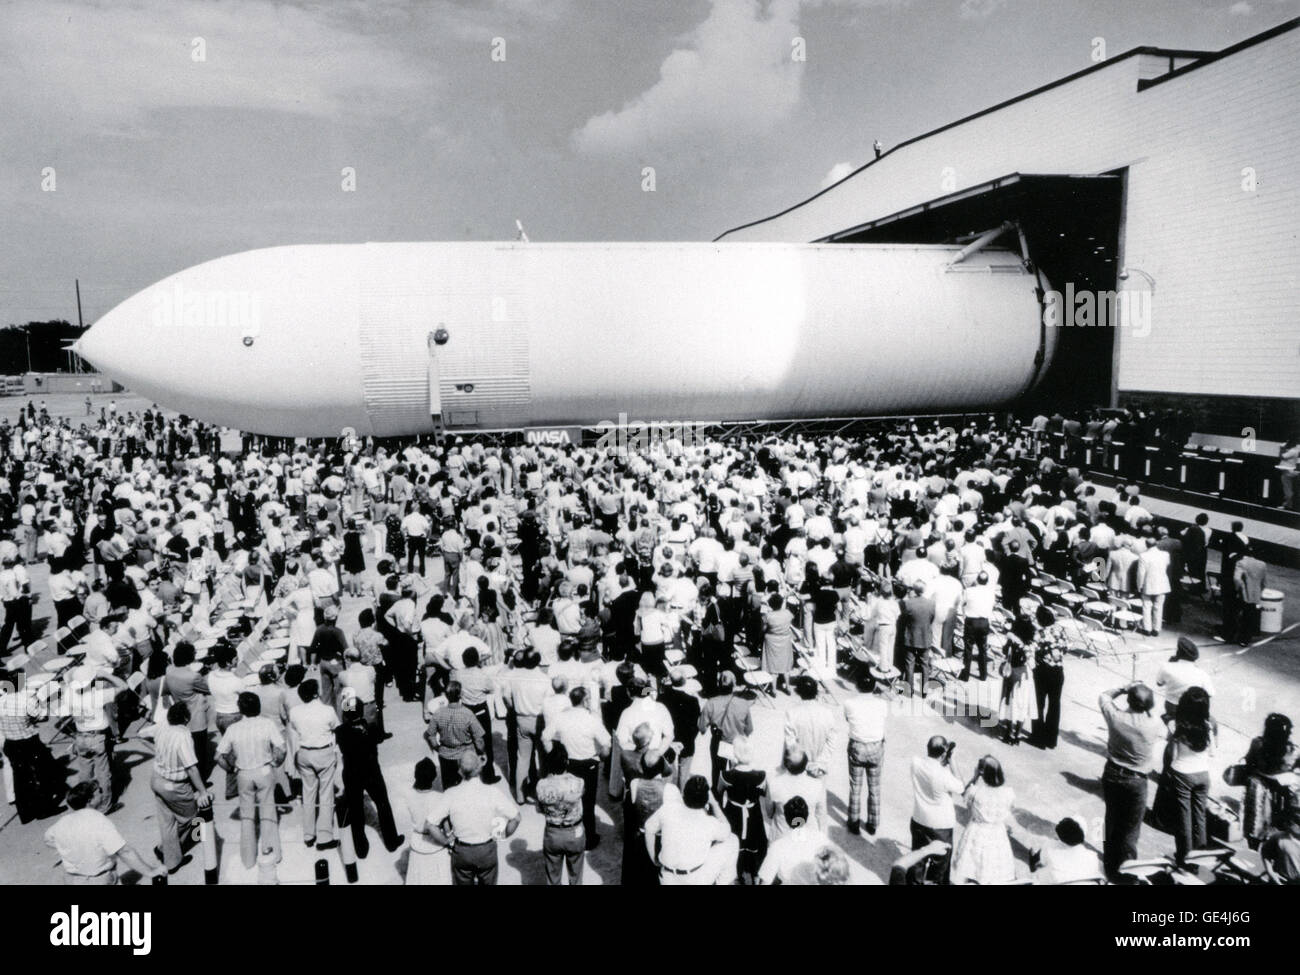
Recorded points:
(1072, 230)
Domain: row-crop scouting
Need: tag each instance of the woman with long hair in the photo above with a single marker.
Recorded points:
(984, 852)
(1187, 770)
(1049, 678)
(1016, 703)
(1270, 789)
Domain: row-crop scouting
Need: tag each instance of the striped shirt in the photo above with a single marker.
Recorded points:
(173, 753)
(254, 743)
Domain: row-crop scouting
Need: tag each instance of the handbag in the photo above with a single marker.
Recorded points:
(1236, 775)
(725, 749)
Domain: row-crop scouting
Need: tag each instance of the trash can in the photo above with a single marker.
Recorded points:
(1270, 611)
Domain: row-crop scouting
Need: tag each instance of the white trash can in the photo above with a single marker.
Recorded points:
(1270, 611)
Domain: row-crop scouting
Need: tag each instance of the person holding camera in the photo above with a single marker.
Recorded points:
(984, 854)
(934, 816)
(1133, 732)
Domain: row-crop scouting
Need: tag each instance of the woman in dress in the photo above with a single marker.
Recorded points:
(1270, 767)
(778, 640)
(429, 861)
(984, 853)
(742, 787)
(885, 613)
(395, 541)
(1017, 700)
(354, 559)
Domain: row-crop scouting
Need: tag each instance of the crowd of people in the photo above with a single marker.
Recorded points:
(615, 617)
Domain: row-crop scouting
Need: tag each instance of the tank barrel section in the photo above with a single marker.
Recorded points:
(395, 339)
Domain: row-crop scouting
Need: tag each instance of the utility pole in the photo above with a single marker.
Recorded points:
(74, 360)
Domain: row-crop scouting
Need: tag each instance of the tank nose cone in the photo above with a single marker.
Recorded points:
(265, 341)
(103, 345)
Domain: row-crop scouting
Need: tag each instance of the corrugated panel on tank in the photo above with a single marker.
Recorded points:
(488, 350)
(394, 367)
(497, 401)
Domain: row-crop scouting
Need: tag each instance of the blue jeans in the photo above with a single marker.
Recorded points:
(1190, 790)
(1125, 793)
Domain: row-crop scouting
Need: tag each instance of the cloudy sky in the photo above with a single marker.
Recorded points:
(181, 130)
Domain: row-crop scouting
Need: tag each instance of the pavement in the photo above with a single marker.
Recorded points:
(1048, 784)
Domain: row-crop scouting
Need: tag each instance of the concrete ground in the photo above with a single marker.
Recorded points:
(1048, 784)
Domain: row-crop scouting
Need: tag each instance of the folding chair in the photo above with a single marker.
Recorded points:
(77, 626)
(63, 640)
(1061, 612)
(1074, 599)
(1101, 641)
(1123, 617)
(1144, 870)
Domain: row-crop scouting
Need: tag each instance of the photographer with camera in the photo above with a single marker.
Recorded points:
(934, 784)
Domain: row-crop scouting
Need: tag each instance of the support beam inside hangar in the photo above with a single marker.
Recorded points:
(1073, 227)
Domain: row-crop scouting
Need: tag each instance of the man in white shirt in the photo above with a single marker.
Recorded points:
(644, 708)
(92, 748)
(866, 715)
(946, 591)
(977, 606)
(90, 846)
(586, 742)
(793, 780)
(1153, 586)
(933, 814)
(918, 570)
(358, 689)
(416, 526)
(312, 724)
(696, 847)
(324, 588)
(1181, 673)
(972, 557)
(792, 857)
(15, 592)
(1136, 515)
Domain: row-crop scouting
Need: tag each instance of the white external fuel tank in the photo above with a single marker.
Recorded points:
(407, 338)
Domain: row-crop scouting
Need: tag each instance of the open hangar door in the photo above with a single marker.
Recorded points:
(1071, 226)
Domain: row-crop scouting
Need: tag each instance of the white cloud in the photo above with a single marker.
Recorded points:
(836, 173)
(732, 77)
(1241, 9)
(980, 9)
(109, 65)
